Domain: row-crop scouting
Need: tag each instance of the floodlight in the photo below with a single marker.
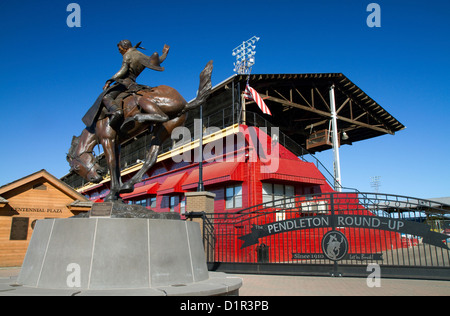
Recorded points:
(245, 56)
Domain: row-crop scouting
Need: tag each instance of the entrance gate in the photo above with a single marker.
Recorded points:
(337, 234)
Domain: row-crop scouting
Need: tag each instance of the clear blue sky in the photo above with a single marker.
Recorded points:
(51, 74)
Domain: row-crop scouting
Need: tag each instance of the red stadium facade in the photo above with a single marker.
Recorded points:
(247, 167)
(272, 204)
(252, 170)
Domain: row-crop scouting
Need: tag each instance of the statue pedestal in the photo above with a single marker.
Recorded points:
(137, 256)
(118, 209)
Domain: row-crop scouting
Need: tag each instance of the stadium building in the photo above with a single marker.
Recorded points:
(238, 140)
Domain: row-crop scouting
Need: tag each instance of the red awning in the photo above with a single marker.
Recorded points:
(215, 173)
(142, 190)
(172, 184)
(293, 171)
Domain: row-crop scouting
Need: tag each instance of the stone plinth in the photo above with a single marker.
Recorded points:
(88, 255)
(118, 209)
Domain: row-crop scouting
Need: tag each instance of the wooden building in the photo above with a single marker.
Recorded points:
(23, 202)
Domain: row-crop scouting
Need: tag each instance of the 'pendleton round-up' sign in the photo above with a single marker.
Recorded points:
(357, 221)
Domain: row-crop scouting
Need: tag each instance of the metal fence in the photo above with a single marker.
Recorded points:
(332, 234)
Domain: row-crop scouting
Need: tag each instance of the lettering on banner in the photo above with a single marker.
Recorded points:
(355, 221)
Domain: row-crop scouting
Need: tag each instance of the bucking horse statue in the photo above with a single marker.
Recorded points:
(174, 107)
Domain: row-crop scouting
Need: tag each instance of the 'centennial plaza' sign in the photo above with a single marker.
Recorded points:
(36, 210)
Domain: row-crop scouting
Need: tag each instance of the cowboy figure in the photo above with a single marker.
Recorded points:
(134, 62)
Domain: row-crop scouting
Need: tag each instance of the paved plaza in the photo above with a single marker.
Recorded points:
(279, 285)
(276, 285)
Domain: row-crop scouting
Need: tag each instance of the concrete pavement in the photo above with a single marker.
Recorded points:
(276, 285)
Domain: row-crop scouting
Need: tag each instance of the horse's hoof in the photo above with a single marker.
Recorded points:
(128, 125)
(113, 198)
(126, 188)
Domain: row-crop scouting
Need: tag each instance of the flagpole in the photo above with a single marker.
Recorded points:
(244, 115)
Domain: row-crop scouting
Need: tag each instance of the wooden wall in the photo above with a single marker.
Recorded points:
(35, 200)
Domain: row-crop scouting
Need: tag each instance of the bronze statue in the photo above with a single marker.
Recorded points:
(161, 108)
(134, 62)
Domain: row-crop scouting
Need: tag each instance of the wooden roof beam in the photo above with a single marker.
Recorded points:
(325, 114)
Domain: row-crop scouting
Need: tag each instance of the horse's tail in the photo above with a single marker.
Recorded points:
(204, 89)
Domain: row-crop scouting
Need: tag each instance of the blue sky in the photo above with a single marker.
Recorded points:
(51, 74)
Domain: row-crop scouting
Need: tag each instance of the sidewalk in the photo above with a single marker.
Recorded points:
(276, 285)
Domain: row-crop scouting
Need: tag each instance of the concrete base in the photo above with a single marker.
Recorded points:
(108, 256)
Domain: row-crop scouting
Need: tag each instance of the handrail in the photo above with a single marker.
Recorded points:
(372, 202)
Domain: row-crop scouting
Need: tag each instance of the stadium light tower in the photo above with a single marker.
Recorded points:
(375, 183)
(245, 56)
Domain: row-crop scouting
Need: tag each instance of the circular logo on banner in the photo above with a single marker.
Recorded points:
(334, 245)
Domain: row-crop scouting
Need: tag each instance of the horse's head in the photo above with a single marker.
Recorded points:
(85, 163)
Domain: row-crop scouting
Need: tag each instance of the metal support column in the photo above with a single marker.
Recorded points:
(335, 140)
(200, 187)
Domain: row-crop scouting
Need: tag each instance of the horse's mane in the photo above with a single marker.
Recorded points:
(73, 146)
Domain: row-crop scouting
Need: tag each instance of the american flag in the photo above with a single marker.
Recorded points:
(251, 94)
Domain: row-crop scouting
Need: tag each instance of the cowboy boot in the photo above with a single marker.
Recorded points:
(116, 116)
(116, 119)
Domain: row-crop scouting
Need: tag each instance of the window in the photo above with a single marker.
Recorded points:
(233, 196)
(280, 216)
(153, 202)
(289, 191)
(142, 202)
(267, 193)
(183, 207)
(39, 186)
(147, 202)
(276, 194)
(173, 202)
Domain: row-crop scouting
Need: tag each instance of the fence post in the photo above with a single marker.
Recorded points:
(200, 203)
(333, 227)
